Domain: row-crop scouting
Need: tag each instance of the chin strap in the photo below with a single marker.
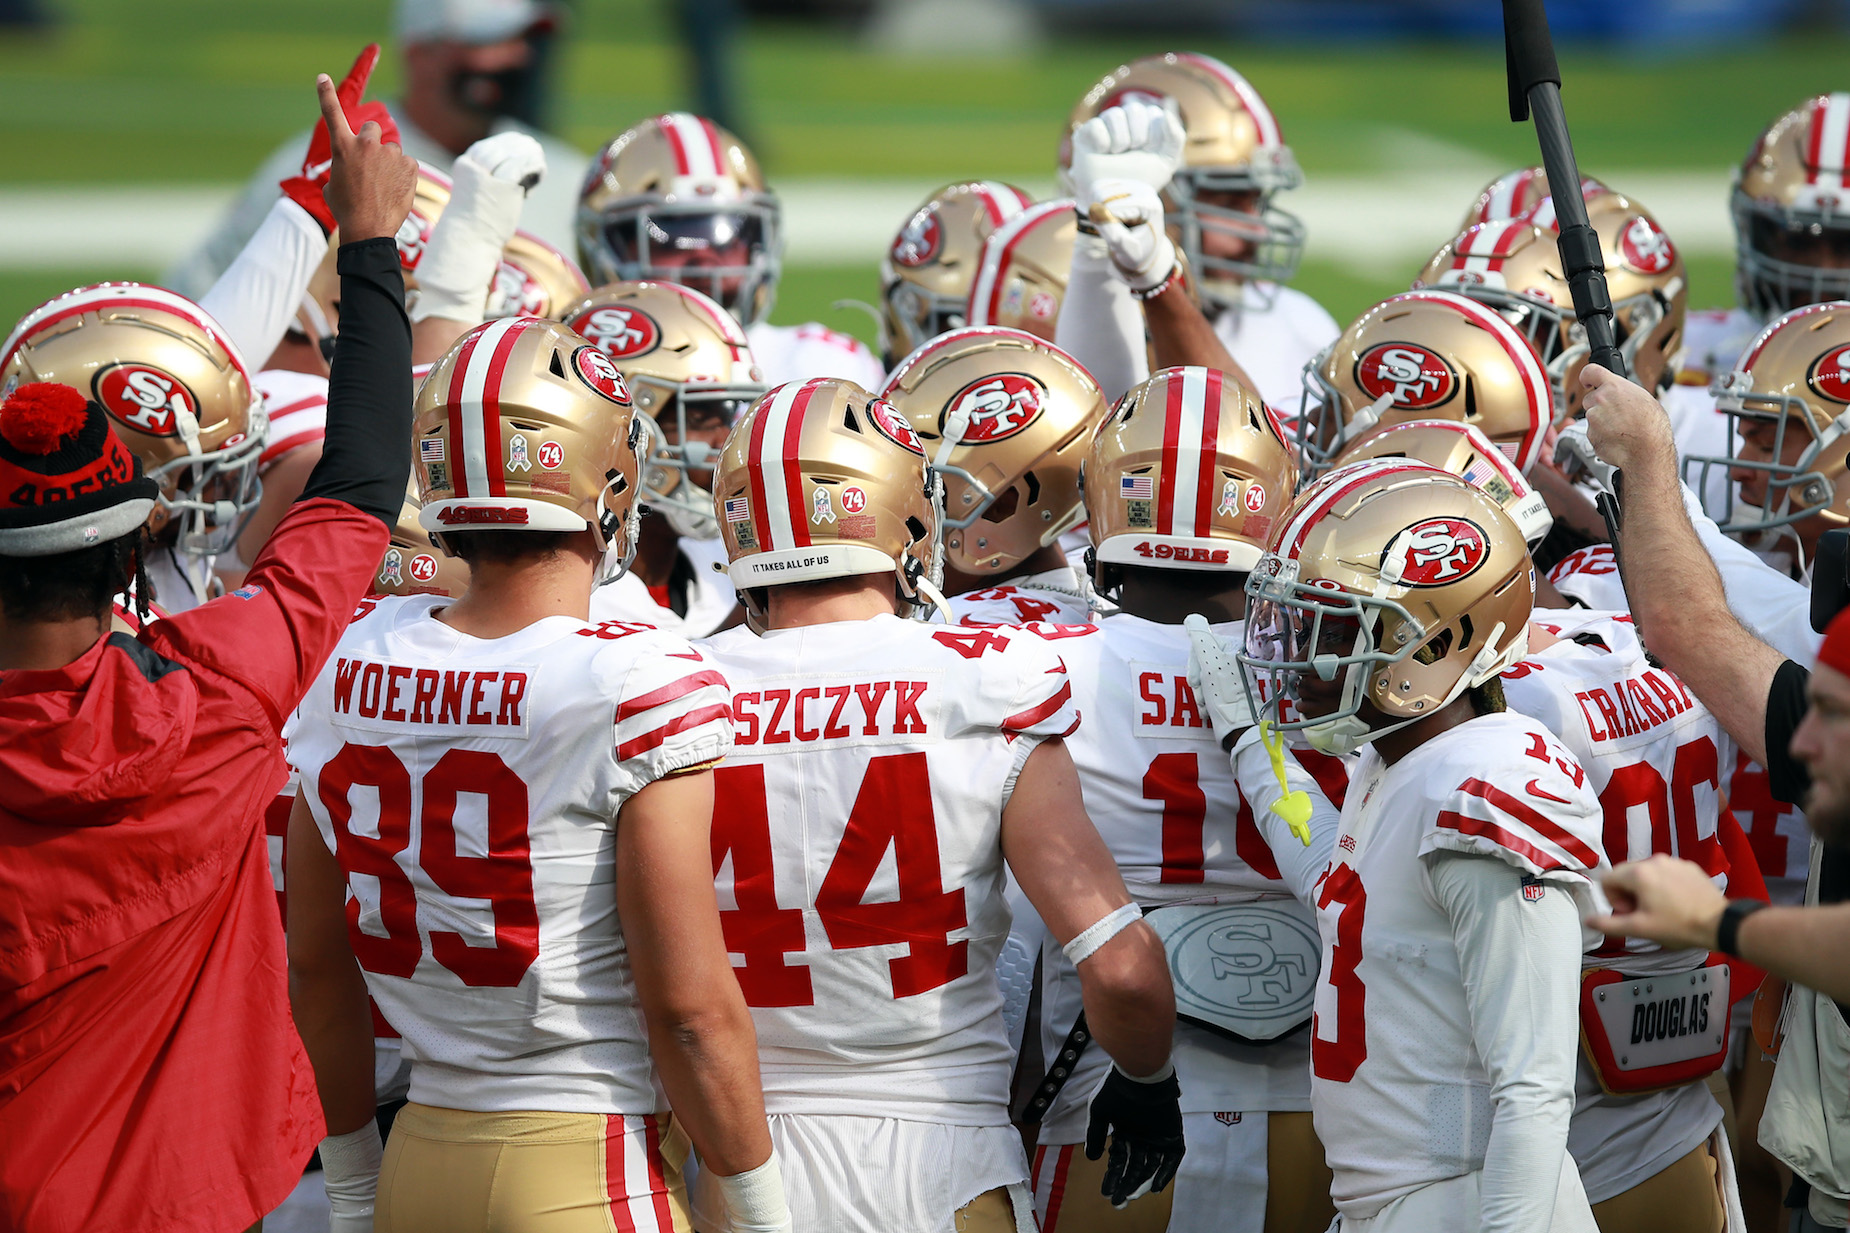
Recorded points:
(924, 586)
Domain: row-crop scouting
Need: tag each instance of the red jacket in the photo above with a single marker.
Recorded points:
(150, 1075)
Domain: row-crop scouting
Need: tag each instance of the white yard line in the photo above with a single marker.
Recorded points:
(1379, 223)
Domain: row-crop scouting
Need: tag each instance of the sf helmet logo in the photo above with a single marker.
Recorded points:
(144, 398)
(619, 332)
(1441, 551)
(1830, 374)
(516, 293)
(894, 426)
(595, 370)
(1412, 376)
(412, 238)
(920, 239)
(1644, 247)
(998, 407)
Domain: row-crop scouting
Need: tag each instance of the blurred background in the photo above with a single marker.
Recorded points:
(126, 126)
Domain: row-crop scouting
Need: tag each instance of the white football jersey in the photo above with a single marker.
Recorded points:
(1401, 1095)
(1168, 803)
(469, 789)
(710, 599)
(1055, 597)
(297, 404)
(799, 352)
(857, 852)
(1273, 343)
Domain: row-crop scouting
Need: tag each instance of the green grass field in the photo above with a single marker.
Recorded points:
(140, 91)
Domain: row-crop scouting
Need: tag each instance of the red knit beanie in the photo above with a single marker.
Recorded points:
(1835, 653)
(66, 479)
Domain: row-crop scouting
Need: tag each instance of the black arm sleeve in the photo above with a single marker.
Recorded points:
(367, 454)
(1787, 778)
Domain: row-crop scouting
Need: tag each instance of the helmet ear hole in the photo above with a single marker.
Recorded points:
(557, 367)
(849, 420)
(1434, 649)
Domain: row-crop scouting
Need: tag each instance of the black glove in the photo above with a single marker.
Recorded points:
(1145, 1124)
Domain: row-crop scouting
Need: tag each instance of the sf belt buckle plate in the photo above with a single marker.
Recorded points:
(1649, 1032)
(1247, 971)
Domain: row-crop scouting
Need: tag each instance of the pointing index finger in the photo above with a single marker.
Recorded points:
(331, 113)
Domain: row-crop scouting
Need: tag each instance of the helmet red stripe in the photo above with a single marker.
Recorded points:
(793, 465)
(179, 306)
(754, 467)
(1172, 443)
(491, 409)
(1210, 441)
(459, 469)
(672, 130)
(1814, 144)
(1308, 518)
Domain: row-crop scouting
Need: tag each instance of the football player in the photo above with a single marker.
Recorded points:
(1394, 596)
(929, 268)
(179, 394)
(502, 836)
(1005, 419)
(1218, 161)
(679, 199)
(859, 734)
(691, 371)
(1183, 483)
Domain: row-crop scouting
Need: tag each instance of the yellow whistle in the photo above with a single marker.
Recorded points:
(1293, 807)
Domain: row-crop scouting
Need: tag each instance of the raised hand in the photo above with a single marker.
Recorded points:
(306, 188)
(371, 182)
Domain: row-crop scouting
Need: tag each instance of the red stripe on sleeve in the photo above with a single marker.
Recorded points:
(1522, 812)
(1172, 440)
(1205, 498)
(1452, 821)
(680, 688)
(1034, 714)
(680, 723)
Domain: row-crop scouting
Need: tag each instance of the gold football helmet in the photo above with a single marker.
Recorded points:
(1188, 471)
(174, 386)
(413, 564)
(1796, 375)
(524, 425)
(823, 480)
(1025, 266)
(534, 279)
(1401, 580)
(1466, 452)
(1006, 419)
(1234, 161)
(690, 370)
(1514, 267)
(1791, 207)
(1422, 355)
(926, 274)
(679, 199)
(1522, 194)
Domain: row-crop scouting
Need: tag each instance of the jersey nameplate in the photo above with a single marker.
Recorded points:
(399, 698)
(1166, 704)
(821, 712)
(1649, 1032)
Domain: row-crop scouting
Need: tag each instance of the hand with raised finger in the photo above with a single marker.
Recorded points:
(1135, 140)
(1128, 216)
(1143, 1119)
(306, 188)
(371, 182)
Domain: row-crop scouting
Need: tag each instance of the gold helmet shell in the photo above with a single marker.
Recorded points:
(412, 563)
(679, 184)
(534, 279)
(686, 361)
(1791, 209)
(1188, 471)
(1006, 419)
(927, 271)
(1406, 581)
(1425, 355)
(822, 479)
(175, 389)
(1523, 194)
(1026, 262)
(1463, 450)
(524, 425)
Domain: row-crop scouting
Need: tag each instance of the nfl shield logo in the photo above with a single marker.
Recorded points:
(1228, 1119)
(1532, 889)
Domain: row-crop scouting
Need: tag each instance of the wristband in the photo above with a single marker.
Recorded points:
(1169, 1069)
(755, 1198)
(1728, 929)
(1100, 932)
(1174, 278)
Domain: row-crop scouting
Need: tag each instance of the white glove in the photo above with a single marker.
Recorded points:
(1135, 140)
(350, 1168)
(1128, 216)
(1214, 675)
(755, 1199)
(488, 185)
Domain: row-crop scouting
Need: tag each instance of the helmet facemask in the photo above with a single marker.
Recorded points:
(1768, 286)
(669, 486)
(1795, 490)
(1274, 237)
(628, 240)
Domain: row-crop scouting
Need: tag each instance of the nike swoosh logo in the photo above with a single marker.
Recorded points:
(1535, 790)
(696, 656)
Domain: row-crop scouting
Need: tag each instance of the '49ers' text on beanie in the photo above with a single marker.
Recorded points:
(66, 480)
